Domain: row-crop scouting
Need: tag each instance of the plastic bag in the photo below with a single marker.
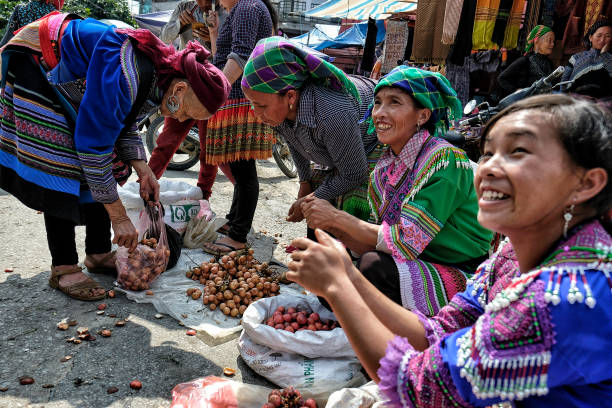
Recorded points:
(201, 230)
(215, 392)
(138, 269)
(175, 245)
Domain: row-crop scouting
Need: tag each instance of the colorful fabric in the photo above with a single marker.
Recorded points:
(536, 33)
(427, 44)
(503, 16)
(591, 13)
(430, 89)
(87, 48)
(484, 23)
(277, 65)
(451, 20)
(234, 133)
(58, 4)
(514, 24)
(512, 336)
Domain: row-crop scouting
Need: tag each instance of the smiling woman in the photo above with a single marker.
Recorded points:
(533, 326)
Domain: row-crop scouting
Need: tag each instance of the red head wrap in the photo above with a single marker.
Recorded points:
(208, 82)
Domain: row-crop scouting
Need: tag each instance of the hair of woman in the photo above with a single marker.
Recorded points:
(273, 15)
(596, 26)
(583, 128)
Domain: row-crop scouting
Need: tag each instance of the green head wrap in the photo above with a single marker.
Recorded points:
(277, 65)
(430, 89)
(537, 32)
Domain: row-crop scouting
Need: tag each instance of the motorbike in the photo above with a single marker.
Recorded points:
(188, 152)
(467, 134)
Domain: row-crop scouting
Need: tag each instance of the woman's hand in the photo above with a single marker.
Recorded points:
(186, 18)
(319, 213)
(212, 22)
(320, 267)
(149, 187)
(295, 211)
(124, 232)
(201, 33)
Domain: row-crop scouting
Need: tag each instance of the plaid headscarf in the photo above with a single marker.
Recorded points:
(537, 32)
(277, 65)
(430, 89)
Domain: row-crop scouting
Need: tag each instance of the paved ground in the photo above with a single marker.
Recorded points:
(155, 351)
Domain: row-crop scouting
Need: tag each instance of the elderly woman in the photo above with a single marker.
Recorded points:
(534, 324)
(65, 146)
(532, 66)
(425, 240)
(317, 109)
(591, 70)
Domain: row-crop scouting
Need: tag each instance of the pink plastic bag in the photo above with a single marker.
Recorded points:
(138, 269)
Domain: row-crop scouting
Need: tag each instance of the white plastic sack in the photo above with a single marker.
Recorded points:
(314, 377)
(312, 344)
(180, 201)
(366, 396)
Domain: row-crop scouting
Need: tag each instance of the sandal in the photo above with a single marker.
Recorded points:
(224, 229)
(106, 270)
(80, 290)
(209, 250)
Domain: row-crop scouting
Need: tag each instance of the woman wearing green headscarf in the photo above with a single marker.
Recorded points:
(533, 65)
(316, 108)
(425, 240)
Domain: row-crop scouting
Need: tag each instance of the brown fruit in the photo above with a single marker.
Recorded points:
(102, 306)
(120, 323)
(226, 310)
(111, 293)
(234, 312)
(190, 291)
(112, 390)
(135, 385)
(149, 293)
(212, 306)
(26, 380)
(62, 326)
(105, 333)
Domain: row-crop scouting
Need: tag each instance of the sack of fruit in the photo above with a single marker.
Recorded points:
(138, 269)
(292, 340)
(304, 327)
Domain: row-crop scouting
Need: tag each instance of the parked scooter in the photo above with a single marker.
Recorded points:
(188, 152)
(467, 134)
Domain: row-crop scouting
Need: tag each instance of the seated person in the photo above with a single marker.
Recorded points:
(533, 325)
(425, 240)
(532, 66)
(591, 70)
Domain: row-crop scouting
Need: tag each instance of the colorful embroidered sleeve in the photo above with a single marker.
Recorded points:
(423, 216)
(504, 355)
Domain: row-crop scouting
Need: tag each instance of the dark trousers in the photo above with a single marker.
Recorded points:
(379, 268)
(168, 143)
(61, 236)
(244, 202)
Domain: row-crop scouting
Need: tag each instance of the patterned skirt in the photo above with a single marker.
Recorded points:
(427, 287)
(234, 133)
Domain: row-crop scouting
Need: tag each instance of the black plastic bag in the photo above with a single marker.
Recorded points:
(175, 244)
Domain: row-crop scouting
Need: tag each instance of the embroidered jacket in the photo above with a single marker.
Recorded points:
(425, 201)
(541, 339)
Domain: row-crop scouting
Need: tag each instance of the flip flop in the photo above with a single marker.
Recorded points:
(229, 249)
(224, 229)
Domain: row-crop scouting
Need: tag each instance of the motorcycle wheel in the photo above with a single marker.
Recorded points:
(282, 156)
(188, 152)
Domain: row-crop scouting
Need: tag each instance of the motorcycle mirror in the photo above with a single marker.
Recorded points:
(469, 107)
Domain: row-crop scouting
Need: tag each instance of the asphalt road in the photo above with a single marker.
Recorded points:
(155, 351)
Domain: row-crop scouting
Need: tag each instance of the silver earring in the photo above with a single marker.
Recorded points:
(418, 127)
(173, 106)
(567, 216)
(290, 107)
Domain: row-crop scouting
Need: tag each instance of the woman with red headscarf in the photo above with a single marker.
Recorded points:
(71, 92)
(26, 13)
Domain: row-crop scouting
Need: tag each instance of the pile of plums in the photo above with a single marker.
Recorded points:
(288, 398)
(293, 319)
